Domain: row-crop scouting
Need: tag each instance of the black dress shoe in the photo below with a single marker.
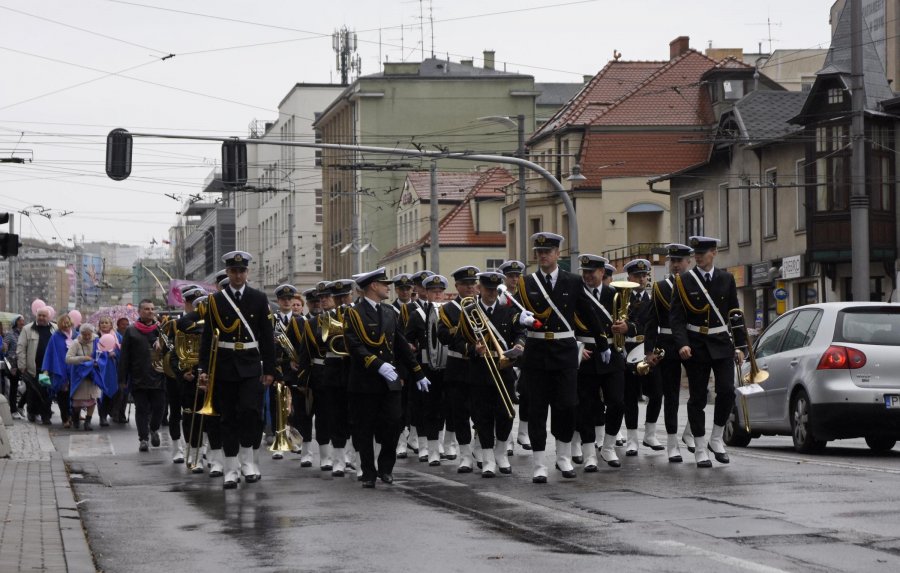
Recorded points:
(434, 463)
(704, 464)
(675, 460)
(423, 458)
(613, 463)
(229, 485)
(570, 474)
(631, 453)
(656, 448)
(487, 474)
(509, 452)
(386, 478)
(450, 457)
(539, 479)
(590, 468)
(689, 448)
(506, 471)
(479, 464)
(464, 470)
(252, 478)
(401, 455)
(524, 446)
(413, 448)
(722, 458)
(368, 483)
(620, 443)
(305, 464)
(337, 473)
(325, 468)
(578, 460)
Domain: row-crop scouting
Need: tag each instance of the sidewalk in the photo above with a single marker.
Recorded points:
(41, 529)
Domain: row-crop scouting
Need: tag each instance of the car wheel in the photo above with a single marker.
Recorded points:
(801, 429)
(880, 443)
(735, 434)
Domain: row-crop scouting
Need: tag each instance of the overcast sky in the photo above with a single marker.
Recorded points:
(72, 70)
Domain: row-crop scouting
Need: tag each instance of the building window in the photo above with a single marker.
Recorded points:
(832, 166)
(800, 194)
(724, 226)
(319, 217)
(770, 204)
(693, 215)
(882, 176)
(835, 95)
(743, 204)
(492, 264)
(512, 240)
(536, 225)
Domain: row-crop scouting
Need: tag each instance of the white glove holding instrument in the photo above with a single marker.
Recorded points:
(423, 384)
(606, 355)
(388, 372)
(526, 318)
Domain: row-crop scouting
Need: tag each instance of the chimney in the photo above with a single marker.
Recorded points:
(466, 63)
(586, 78)
(489, 59)
(678, 46)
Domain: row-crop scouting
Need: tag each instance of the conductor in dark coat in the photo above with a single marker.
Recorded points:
(244, 366)
(374, 338)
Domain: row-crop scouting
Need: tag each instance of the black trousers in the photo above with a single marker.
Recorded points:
(13, 394)
(239, 404)
(522, 391)
(723, 371)
(458, 393)
(149, 404)
(190, 422)
(556, 390)
(173, 400)
(65, 404)
(635, 385)
(376, 417)
(601, 401)
(300, 419)
(488, 414)
(669, 373)
(333, 416)
(428, 407)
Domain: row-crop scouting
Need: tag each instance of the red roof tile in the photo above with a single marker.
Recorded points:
(631, 154)
(451, 185)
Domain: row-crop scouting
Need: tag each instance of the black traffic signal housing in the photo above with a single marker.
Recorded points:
(234, 163)
(118, 154)
(9, 242)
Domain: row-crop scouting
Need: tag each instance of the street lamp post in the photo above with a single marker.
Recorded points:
(519, 124)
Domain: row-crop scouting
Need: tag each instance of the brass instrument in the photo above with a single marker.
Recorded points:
(643, 367)
(331, 331)
(621, 302)
(480, 326)
(283, 441)
(187, 349)
(755, 375)
(284, 342)
(208, 409)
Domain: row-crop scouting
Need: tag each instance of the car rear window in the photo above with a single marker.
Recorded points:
(869, 325)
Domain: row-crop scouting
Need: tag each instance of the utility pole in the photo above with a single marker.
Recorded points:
(291, 236)
(433, 220)
(11, 290)
(523, 207)
(859, 193)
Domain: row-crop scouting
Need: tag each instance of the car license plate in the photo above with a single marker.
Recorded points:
(892, 401)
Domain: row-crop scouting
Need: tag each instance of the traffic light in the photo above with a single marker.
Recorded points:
(118, 154)
(234, 163)
(9, 245)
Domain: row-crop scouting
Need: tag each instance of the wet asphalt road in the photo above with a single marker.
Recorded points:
(769, 510)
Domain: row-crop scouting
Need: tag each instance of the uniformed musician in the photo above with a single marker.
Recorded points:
(284, 371)
(601, 375)
(512, 270)
(332, 417)
(457, 371)
(700, 304)
(183, 389)
(409, 439)
(312, 302)
(639, 310)
(419, 296)
(550, 361)
(376, 344)
(610, 270)
(490, 414)
(658, 335)
(245, 364)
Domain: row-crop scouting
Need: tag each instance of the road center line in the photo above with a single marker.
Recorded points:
(720, 557)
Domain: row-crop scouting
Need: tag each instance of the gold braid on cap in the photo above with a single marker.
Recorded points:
(520, 288)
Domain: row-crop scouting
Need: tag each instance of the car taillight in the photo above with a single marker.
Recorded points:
(841, 357)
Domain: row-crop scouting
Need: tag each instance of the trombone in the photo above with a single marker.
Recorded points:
(755, 375)
(621, 302)
(482, 332)
(207, 409)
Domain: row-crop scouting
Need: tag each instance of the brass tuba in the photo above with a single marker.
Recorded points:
(283, 441)
(621, 302)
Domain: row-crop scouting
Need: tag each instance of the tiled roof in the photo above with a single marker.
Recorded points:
(451, 186)
(629, 154)
(615, 80)
(764, 115)
(732, 63)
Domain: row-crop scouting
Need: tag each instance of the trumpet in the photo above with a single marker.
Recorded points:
(283, 441)
(481, 330)
(621, 302)
(755, 375)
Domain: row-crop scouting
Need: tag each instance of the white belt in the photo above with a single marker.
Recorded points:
(664, 330)
(586, 339)
(318, 361)
(333, 355)
(238, 345)
(707, 330)
(635, 339)
(551, 335)
(455, 354)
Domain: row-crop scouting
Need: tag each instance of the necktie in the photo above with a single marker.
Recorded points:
(549, 281)
(237, 296)
(490, 311)
(707, 278)
(596, 293)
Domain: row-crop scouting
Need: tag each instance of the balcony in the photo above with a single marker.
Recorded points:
(654, 252)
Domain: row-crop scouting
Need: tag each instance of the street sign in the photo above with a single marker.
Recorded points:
(780, 294)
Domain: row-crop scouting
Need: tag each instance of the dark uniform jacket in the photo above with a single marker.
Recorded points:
(337, 368)
(235, 364)
(658, 331)
(450, 315)
(297, 333)
(374, 337)
(569, 296)
(616, 360)
(189, 324)
(639, 311)
(506, 322)
(691, 307)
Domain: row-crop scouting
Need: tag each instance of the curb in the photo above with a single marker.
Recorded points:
(79, 558)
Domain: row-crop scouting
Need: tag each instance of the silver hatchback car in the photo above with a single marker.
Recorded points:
(834, 373)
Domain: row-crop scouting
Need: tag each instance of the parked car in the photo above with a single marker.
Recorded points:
(834, 373)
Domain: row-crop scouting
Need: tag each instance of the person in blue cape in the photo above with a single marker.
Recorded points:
(86, 368)
(55, 366)
(111, 346)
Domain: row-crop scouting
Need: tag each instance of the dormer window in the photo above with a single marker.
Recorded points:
(835, 95)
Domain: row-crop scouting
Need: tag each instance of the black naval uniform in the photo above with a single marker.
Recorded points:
(173, 384)
(427, 407)
(332, 415)
(488, 412)
(550, 362)
(409, 412)
(240, 363)
(304, 335)
(695, 324)
(191, 324)
(639, 312)
(373, 336)
(456, 373)
(284, 371)
(601, 386)
(658, 334)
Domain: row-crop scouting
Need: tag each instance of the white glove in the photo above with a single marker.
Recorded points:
(526, 318)
(606, 355)
(388, 372)
(423, 384)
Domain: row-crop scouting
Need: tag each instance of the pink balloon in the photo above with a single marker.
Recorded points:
(108, 342)
(51, 310)
(75, 315)
(36, 305)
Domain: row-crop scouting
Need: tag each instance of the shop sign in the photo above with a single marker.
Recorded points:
(792, 267)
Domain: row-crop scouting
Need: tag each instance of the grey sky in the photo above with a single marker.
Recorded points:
(235, 60)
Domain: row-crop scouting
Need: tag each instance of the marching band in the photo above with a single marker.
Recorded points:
(369, 380)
